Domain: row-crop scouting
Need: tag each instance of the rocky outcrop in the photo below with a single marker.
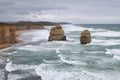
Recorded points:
(85, 37)
(57, 34)
(7, 34)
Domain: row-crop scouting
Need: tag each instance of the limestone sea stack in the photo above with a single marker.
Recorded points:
(85, 37)
(57, 34)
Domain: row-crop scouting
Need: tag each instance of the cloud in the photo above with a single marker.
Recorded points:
(94, 11)
(25, 6)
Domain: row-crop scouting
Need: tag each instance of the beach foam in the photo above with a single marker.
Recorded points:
(63, 59)
(47, 72)
(35, 35)
(114, 52)
(106, 42)
(107, 34)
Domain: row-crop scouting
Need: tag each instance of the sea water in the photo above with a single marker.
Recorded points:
(67, 60)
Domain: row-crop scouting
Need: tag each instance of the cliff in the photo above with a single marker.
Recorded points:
(7, 35)
(10, 31)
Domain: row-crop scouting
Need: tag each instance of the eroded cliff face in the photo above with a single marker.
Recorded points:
(7, 34)
(57, 34)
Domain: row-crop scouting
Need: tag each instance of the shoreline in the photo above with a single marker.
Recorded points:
(4, 55)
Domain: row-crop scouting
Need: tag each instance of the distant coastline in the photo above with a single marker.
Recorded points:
(20, 26)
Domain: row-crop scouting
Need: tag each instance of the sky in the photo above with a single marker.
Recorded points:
(74, 11)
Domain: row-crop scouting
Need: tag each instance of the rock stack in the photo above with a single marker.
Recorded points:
(57, 34)
(85, 37)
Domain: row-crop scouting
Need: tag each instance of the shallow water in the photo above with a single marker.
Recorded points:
(67, 60)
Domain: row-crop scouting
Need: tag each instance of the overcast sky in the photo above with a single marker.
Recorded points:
(75, 11)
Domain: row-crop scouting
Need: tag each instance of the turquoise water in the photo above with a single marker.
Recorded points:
(67, 60)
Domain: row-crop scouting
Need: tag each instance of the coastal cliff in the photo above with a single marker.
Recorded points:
(7, 35)
(10, 31)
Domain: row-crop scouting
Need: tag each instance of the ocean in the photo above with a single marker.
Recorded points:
(66, 60)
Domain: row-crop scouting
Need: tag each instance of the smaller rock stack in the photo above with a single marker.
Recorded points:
(57, 34)
(85, 37)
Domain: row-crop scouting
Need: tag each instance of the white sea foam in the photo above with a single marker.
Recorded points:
(14, 52)
(11, 67)
(47, 72)
(106, 42)
(68, 28)
(63, 59)
(8, 66)
(52, 61)
(114, 52)
(73, 28)
(35, 35)
(30, 48)
(57, 51)
(107, 34)
(116, 57)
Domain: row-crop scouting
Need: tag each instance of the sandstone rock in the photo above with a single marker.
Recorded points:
(85, 37)
(1, 35)
(57, 34)
(7, 34)
(13, 38)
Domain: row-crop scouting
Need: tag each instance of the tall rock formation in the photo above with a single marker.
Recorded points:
(57, 34)
(85, 37)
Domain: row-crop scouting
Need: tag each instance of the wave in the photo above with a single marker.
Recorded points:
(34, 35)
(30, 48)
(116, 57)
(57, 51)
(52, 61)
(49, 72)
(12, 67)
(21, 72)
(105, 42)
(69, 28)
(114, 52)
(70, 61)
(106, 34)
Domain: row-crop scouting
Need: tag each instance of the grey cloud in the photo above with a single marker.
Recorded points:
(18, 9)
(25, 6)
